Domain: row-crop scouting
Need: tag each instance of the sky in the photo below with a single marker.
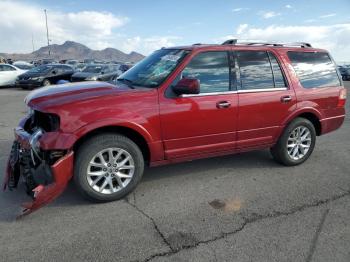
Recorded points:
(145, 26)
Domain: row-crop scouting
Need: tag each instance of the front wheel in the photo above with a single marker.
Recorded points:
(296, 143)
(108, 167)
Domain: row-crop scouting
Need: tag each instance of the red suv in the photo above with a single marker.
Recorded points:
(178, 104)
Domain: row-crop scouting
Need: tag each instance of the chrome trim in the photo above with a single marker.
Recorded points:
(262, 90)
(236, 92)
(209, 94)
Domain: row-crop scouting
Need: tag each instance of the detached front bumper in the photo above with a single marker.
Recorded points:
(44, 182)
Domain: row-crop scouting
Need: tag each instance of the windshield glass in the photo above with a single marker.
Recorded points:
(41, 69)
(154, 69)
(92, 69)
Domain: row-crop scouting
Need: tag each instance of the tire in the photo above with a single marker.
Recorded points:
(46, 82)
(87, 157)
(284, 150)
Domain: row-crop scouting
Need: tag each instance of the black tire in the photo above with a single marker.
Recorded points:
(46, 82)
(89, 149)
(280, 151)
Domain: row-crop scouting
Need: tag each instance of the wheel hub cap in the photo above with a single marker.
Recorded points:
(110, 170)
(299, 142)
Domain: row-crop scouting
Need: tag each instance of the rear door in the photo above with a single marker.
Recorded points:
(206, 122)
(265, 98)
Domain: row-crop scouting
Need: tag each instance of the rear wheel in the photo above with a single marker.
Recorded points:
(296, 143)
(108, 167)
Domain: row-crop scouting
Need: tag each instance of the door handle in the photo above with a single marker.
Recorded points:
(223, 104)
(286, 99)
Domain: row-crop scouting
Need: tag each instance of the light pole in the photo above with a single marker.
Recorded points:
(47, 33)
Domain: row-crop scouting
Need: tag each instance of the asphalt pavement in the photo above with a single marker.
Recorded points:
(241, 207)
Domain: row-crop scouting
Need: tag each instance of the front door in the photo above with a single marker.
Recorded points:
(206, 122)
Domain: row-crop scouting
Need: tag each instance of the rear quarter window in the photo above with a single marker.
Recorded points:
(314, 69)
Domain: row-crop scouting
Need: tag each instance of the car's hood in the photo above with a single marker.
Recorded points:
(31, 74)
(58, 95)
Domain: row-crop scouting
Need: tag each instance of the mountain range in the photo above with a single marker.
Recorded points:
(74, 50)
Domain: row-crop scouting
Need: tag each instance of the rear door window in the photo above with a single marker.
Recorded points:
(255, 70)
(278, 76)
(314, 69)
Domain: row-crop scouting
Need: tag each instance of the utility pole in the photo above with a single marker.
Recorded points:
(47, 33)
(33, 42)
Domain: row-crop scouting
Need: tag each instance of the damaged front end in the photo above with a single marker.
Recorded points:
(45, 173)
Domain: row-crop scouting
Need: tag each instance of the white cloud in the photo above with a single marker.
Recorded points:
(20, 21)
(288, 6)
(241, 28)
(97, 30)
(148, 44)
(239, 9)
(268, 14)
(334, 38)
(328, 15)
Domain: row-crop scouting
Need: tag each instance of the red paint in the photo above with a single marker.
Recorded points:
(62, 172)
(180, 128)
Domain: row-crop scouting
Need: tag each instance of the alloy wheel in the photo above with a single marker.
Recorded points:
(110, 170)
(299, 142)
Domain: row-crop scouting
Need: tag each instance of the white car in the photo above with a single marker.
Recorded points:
(8, 74)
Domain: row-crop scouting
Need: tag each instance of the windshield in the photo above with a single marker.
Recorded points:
(154, 69)
(92, 69)
(41, 69)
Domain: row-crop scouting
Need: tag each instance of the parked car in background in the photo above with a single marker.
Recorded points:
(2, 60)
(44, 75)
(79, 67)
(124, 67)
(345, 72)
(8, 74)
(47, 61)
(72, 62)
(89, 61)
(97, 72)
(23, 65)
(178, 104)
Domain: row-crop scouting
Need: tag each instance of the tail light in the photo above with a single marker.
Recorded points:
(342, 98)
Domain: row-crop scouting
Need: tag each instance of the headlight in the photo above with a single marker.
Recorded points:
(34, 140)
(93, 78)
(30, 111)
(39, 78)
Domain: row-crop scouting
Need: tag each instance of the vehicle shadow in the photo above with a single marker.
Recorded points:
(10, 201)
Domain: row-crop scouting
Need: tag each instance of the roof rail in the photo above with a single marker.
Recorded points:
(235, 42)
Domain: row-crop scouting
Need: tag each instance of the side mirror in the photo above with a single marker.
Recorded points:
(102, 73)
(187, 86)
(53, 72)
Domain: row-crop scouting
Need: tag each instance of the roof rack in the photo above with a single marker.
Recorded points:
(297, 44)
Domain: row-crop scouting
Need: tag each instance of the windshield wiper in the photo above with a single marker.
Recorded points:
(128, 82)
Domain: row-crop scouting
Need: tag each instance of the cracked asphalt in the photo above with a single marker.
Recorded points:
(241, 207)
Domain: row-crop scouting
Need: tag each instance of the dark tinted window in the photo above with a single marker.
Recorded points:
(278, 76)
(255, 70)
(314, 69)
(211, 69)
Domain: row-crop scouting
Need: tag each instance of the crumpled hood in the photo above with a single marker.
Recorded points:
(58, 95)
